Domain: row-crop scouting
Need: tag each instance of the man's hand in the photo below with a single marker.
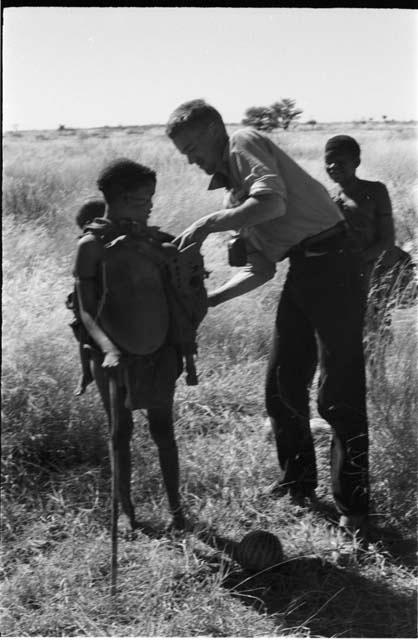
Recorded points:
(195, 234)
(112, 359)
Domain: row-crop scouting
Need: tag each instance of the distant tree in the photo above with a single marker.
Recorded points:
(312, 122)
(61, 127)
(286, 112)
(279, 114)
(384, 118)
(263, 118)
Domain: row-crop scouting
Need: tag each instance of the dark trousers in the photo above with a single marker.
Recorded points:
(162, 431)
(320, 316)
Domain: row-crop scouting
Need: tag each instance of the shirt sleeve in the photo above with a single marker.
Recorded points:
(255, 167)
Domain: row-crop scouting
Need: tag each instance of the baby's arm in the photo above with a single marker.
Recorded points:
(385, 231)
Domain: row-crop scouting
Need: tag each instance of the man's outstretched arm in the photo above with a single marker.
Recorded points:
(240, 283)
(258, 271)
(252, 211)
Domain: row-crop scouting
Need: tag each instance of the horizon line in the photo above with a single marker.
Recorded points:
(311, 122)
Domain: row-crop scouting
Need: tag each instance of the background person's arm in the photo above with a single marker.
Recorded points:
(385, 231)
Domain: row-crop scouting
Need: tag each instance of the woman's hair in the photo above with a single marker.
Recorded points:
(123, 175)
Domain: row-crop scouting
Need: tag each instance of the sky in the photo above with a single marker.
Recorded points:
(91, 67)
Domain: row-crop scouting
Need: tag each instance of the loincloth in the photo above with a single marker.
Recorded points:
(149, 380)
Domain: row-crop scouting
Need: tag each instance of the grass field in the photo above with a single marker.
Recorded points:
(56, 482)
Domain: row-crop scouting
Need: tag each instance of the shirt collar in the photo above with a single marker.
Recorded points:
(221, 179)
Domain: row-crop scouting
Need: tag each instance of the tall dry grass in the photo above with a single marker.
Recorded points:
(55, 466)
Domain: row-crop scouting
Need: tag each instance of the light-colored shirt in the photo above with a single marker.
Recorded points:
(255, 166)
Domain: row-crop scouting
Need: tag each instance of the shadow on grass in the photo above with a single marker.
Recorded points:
(403, 551)
(312, 595)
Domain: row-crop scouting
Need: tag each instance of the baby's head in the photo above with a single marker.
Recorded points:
(90, 210)
(128, 188)
(342, 157)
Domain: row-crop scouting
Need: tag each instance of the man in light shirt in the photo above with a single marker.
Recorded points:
(279, 211)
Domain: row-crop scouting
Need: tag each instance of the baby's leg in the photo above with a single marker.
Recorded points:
(86, 377)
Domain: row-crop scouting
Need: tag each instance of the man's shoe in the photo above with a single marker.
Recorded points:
(178, 523)
(354, 524)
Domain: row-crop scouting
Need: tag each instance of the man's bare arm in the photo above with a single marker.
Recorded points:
(240, 283)
(252, 211)
(257, 271)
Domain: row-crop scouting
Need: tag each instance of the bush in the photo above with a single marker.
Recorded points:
(262, 118)
(279, 114)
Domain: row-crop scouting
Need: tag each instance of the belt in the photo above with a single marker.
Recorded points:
(329, 241)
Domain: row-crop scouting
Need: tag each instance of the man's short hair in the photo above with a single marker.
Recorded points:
(90, 210)
(343, 144)
(123, 175)
(194, 113)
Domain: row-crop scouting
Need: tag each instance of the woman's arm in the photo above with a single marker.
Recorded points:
(87, 268)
